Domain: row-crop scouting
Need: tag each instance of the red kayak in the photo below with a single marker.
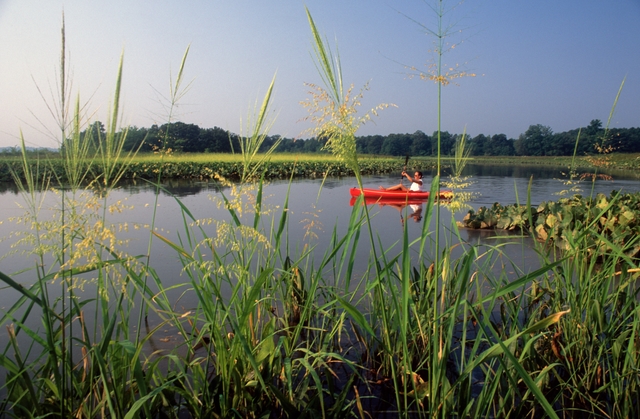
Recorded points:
(397, 195)
(388, 201)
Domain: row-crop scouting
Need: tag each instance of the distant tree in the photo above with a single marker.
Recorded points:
(391, 146)
(397, 145)
(478, 145)
(564, 143)
(181, 136)
(214, 140)
(11, 151)
(617, 139)
(94, 133)
(536, 141)
(290, 145)
(421, 144)
(137, 139)
(370, 144)
(268, 142)
(361, 145)
(154, 138)
(447, 142)
(311, 145)
(234, 142)
(499, 145)
(628, 139)
(287, 145)
(595, 126)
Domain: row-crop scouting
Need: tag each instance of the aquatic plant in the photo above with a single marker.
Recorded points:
(169, 166)
(609, 222)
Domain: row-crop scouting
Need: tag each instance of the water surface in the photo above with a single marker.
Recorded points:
(316, 208)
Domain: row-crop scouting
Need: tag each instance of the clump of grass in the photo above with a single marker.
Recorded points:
(456, 182)
(258, 126)
(604, 146)
(75, 248)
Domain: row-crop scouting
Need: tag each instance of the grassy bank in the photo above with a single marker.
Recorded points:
(284, 166)
(212, 166)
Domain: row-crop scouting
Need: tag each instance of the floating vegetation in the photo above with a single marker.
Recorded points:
(607, 223)
(208, 166)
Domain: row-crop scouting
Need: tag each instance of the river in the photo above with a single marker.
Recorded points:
(316, 208)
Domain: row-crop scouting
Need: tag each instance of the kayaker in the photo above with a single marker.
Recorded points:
(416, 183)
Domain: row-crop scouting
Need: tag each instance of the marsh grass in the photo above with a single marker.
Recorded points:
(456, 182)
(601, 160)
(333, 108)
(436, 329)
(170, 166)
(258, 125)
(82, 248)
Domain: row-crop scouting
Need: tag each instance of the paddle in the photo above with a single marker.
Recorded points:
(404, 170)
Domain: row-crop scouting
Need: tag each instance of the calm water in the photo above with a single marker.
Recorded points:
(316, 208)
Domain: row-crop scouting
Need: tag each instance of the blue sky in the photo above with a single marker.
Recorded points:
(556, 63)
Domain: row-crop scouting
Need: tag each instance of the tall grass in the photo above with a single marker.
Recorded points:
(258, 126)
(77, 247)
(432, 329)
(333, 107)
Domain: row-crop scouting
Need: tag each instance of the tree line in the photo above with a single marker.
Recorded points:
(537, 140)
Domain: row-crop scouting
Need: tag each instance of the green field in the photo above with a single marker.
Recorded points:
(284, 166)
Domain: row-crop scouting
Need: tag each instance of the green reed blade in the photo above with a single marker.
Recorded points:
(358, 317)
(21, 289)
(258, 206)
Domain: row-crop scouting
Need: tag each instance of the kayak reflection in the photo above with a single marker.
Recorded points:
(415, 206)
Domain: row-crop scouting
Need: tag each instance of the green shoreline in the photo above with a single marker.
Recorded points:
(283, 166)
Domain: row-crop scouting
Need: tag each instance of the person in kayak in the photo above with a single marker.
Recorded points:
(416, 183)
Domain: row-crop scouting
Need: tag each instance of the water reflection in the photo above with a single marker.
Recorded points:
(515, 171)
(8, 188)
(532, 171)
(326, 203)
(414, 212)
(175, 187)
